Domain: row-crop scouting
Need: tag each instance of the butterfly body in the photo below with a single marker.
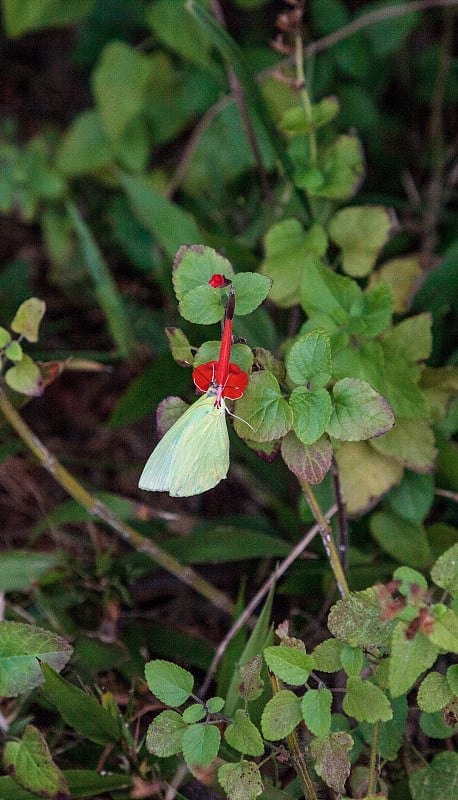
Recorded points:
(193, 456)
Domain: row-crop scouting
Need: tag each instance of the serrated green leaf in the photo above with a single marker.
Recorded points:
(200, 744)
(408, 578)
(165, 734)
(414, 496)
(291, 665)
(286, 246)
(264, 409)
(391, 733)
(326, 656)
(323, 291)
(342, 166)
(251, 684)
(402, 274)
(250, 291)
(366, 702)
(445, 570)
(169, 682)
(351, 659)
(215, 704)
(404, 541)
(241, 781)
(331, 757)
(4, 337)
(356, 620)
(120, 84)
(28, 317)
(409, 658)
(180, 347)
(411, 442)
(371, 314)
(281, 715)
(316, 711)
(438, 779)
(365, 475)
(452, 678)
(434, 725)
(21, 648)
(309, 360)
(445, 632)
(412, 338)
(195, 264)
(361, 232)
(79, 710)
(311, 413)
(202, 305)
(193, 713)
(31, 764)
(359, 412)
(309, 462)
(243, 736)
(434, 692)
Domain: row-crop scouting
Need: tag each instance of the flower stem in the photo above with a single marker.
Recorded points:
(326, 535)
(99, 509)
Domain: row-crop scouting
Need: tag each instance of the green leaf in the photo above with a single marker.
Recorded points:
(390, 733)
(365, 475)
(263, 408)
(434, 726)
(316, 711)
(250, 291)
(351, 659)
(406, 542)
(19, 569)
(31, 764)
(25, 377)
(434, 692)
(241, 781)
(308, 462)
(4, 337)
(409, 577)
(241, 354)
(200, 744)
(281, 715)
(411, 442)
(83, 783)
(106, 290)
(359, 412)
(21, 16)
(215, 704)
(371, 314)
(366, 702)
(202, 305)
(28, 317)
(331, 759)
(243, 736)
(120, 84)
(361, 232)
(342, 166)
(79, 710)
(412, 338)
(357, 620)
(21, 648)
(291, 665)
(438, 779)
(194, 713)
(311, 413)
(402, 274)
(445, 571)
(178, 31)
(180, 347)
(409, 658)
(309, 360)
(445, 632)
(295, 120)
(170, 683)
(219, 543)
(194, 265)
(13, 351)
(251, 684)
(326, 656)
(323, 291)
(85, 146)
(168, 223)
(286, 247)
(165, 734)
(413, 498)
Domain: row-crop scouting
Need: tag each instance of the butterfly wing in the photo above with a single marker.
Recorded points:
(186, 460)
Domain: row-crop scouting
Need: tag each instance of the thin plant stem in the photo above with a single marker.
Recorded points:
(373, 760)
(297, 755)
(304, 94)
(341, 516)
(99, 509)
(260, 594)
(327, 538)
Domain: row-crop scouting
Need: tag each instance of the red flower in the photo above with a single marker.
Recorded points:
(234, 385)
(217, 281)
